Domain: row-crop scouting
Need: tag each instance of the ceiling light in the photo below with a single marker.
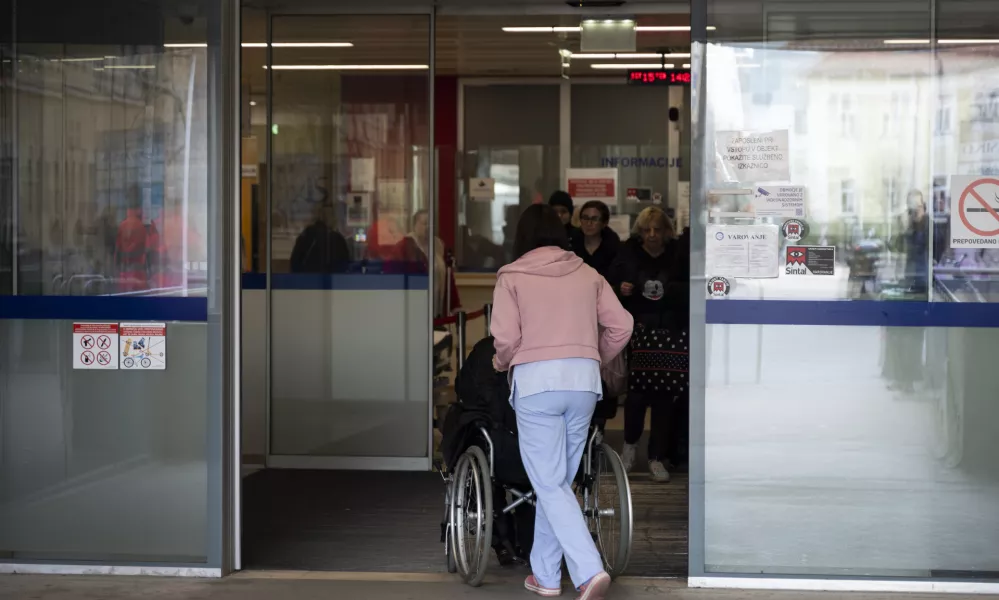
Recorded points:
(959, 42)
(253, 102)
(686, 65)
(661, 28)
(906, 42)
(88, 59)
(313, 45)
(629, 55)
(639, 28)
(540, 29)
(349, 67)
(186, 45)
(631, 66)
(129, 66)
(299, 44)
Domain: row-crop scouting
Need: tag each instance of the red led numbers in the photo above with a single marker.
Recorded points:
(660, 77)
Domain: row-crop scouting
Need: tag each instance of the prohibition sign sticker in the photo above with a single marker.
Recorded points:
(975, 204)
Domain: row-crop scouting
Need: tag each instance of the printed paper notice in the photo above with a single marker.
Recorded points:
(752, 156)
(359, 209)
(362, 174)
(683, 204)
(780, 201)
(143, 346)
(592, 184)
(748, 251)
(95, 346)
(482, 188)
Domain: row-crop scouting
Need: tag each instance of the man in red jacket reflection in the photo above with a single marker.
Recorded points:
(130, 248)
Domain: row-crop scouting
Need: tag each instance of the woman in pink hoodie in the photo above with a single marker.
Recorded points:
(555, 320)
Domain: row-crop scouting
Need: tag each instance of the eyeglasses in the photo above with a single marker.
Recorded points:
(590, 219)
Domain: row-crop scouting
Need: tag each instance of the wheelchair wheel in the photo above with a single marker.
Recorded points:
(472, 516)
(452, 566)
(610, 516)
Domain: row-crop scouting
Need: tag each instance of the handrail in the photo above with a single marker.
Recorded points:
(966, 271)
(461, 319)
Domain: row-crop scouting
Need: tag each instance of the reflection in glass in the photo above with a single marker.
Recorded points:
(350, 254)
(855, 450)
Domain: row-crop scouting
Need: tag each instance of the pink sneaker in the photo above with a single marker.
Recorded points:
(595, 588)
(531, 584)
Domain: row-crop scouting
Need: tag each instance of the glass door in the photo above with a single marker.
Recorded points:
(349, 128)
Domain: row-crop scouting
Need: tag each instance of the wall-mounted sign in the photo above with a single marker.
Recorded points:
(482, 188)
(592, 184)
(659, 77)
(661, 162)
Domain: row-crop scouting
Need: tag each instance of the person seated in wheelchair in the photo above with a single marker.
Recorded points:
(483, 401)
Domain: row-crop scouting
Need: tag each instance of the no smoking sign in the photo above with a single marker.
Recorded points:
(974, 212)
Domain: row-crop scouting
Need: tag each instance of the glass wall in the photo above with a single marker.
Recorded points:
(848, 419)
(349, 187)
(107, 200)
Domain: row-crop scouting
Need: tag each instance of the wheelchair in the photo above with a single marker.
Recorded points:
(601, 487)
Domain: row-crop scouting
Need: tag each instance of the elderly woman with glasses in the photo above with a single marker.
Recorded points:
(652, 277)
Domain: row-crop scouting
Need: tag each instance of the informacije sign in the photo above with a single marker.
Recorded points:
(626, 162)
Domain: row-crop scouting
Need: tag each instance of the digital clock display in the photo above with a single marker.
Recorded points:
(660, 77)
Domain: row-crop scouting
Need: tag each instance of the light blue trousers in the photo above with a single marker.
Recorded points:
(552, 427)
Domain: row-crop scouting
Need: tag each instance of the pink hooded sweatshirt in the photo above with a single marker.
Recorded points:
(549, 305)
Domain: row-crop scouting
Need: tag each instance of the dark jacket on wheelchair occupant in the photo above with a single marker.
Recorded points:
(484, 400)
(661, 297)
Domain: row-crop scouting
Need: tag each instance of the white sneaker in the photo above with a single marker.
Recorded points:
(659, 472)
(628, 456)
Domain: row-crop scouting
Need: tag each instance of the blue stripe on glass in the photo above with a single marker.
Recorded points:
(338, 281)
(104, 308)
(853, 312)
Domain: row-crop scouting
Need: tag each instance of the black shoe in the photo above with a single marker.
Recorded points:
(506, 558)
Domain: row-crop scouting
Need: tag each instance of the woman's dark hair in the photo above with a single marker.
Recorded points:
(539, 226)
(600, 206)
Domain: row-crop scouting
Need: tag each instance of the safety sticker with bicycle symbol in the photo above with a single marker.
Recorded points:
(143, 346)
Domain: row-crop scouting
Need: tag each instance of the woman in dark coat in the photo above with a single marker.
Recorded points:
(652, 276)
(598, 245)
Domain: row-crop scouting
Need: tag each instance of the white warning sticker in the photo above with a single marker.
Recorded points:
(143, 346)
(94, 345)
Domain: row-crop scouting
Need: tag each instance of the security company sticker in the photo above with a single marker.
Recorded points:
(794, 230)
(718, 287)
(94, 346)
(143, 346)
(810, 260)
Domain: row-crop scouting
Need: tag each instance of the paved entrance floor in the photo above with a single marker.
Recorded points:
(306, 586)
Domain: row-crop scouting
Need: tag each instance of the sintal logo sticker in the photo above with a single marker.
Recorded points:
(718, 287)
(793, 230)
